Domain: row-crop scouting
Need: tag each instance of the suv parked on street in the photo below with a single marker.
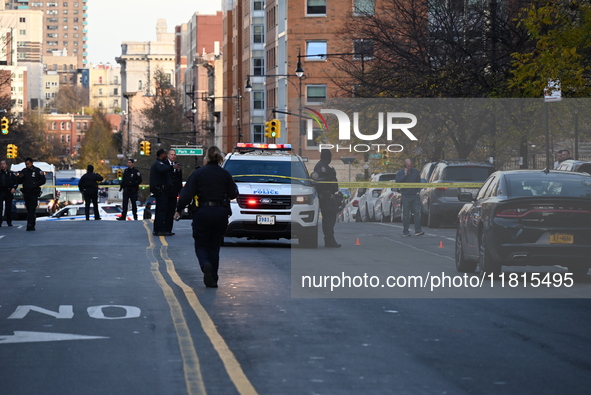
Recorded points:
(276, 199)
(442, 204)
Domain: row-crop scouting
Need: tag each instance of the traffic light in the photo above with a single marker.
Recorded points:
(10, 151)
(147, 148)
(119, 174)
(14, 150)
(273, 129)
(386, 157)
(142, 148)
(4, 125)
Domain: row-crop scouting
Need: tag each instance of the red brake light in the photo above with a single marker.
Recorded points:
(355, 203)
(441, 189)
(512, 212)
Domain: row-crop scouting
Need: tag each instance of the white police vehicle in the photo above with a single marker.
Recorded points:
(77, 212)
(277, 199)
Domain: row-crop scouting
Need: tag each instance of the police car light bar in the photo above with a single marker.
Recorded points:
(264, 146)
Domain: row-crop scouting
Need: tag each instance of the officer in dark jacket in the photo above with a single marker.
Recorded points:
(213, 187)
(329, 205)
(8, 184)
(160, 186)
(177, 185)
(130, 185)
(32, 178)
(88, 185)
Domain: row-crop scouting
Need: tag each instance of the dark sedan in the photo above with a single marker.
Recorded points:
(526, 217)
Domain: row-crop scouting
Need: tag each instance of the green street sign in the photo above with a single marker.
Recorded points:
(375, 156)
(189, 151)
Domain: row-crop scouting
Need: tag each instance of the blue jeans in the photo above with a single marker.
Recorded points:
(411, 204)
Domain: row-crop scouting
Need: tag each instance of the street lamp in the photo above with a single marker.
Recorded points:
(210, 99)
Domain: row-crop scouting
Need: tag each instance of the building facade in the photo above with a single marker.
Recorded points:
(105, 88)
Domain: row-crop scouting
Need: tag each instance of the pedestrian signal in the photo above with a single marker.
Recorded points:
(272, 129)
(4, 125)
(119, 174)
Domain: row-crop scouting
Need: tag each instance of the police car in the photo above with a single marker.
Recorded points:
(276, 199)
(77, 212)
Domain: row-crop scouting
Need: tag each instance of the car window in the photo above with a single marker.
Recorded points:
(376, 193)
(467, 173)
(111, 209)
(482, 191)
(281, 172)
(436, 174)
(387, 177)
(492, 188)
(551, 184)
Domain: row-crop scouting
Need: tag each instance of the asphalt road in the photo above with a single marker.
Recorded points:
(103, 307)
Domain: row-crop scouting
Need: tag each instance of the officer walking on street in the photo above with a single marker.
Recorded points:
(327, 196)
(130, 186)
(8, 184)
(173, 194)
(32, 178)
(88, 185)
(160, 186)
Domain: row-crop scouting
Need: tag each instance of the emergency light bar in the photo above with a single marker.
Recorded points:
(263, 146)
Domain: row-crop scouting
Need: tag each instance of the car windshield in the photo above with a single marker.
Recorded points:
(271, 171)
(387, 177)
(467, 173)
(552, 184)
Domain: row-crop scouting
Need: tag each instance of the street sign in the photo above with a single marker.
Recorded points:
(375, 156)
(189, 151)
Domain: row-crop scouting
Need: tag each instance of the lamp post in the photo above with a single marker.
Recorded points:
(210, 99)
(194, 128)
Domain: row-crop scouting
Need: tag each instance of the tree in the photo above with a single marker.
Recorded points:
(28, 134)
(98, 145)
(70, 99)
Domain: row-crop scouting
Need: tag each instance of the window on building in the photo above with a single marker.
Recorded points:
(75, 27)
(363, 7)
(314, 48)
(100, 79)
(257, 134)
(258, 66)
(52, 4)
(21, 43)
(22, 20)
(258, 34)
(75, 50)
(77, 125)
(315, 7)
(140, 85)
(75, 34)
(66, 43)
(66, 36)
(63, 138)
(84, 125)
(37, 4)
(52, 43)
(78, 138)
(75, 4)
(65, 3)
(316, 137)
(115, 91)
(315, 94)
(75, 20)
(100, 91)
(67, 125)
(116, 79)
(52, 20)
(53, 125)
(65, 12)
(51, 12)
(363, 47)
(22, 32)
(52, 27)
(258, 100)
(53, 35)
(62, 126)
(65, 27)
(22, 55)
(65, 20)
(115, 103)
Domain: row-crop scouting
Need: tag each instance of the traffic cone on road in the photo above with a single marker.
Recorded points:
(357, 242)
(440, 243)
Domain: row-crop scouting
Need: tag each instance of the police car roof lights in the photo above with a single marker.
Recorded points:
(241, 146)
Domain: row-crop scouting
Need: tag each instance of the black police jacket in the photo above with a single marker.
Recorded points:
(131, 179)
(32, 179)
(88, 183)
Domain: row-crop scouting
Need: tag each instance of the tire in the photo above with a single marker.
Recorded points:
(423, 217)
(309, 238)
(433, 221)
(358, 216)
(485, 263)
(383, 218)
(365, 218)
(462, 264)
(391, 219)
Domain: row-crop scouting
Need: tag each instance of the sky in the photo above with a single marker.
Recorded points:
(110, 22)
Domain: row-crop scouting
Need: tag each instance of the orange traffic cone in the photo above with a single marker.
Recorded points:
(440, 244)
(357, 242)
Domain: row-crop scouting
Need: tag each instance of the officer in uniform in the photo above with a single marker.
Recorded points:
(8, 184)
(130, 186)
(32, 178)
(88, 185)
(173, 194)
(213, 188)
(160, 186)
(327, 195)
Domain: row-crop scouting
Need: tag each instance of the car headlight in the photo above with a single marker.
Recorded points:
(303, 199)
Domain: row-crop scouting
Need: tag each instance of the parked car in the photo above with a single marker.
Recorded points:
(427, 170)
(368, 200)
(575, 165)
(388, 206)
(442, 204)
(526, 217)
(351, 211)
(77, 212)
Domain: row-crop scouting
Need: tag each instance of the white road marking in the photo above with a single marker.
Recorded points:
(31, 337)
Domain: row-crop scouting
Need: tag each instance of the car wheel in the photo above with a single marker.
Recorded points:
(391, 218)
(309, 238)
(485, 263)
(365, 218)
(423, 217)
(462, 264)
(358, 216)
(433, 221)
(383, 217)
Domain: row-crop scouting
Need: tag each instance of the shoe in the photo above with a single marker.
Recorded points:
(419, 233)
(406, 235)
(332, 245)
(97, 219)
(30, 229)
(135, 218)
(10, 224)
(208, 279)
(121, 219)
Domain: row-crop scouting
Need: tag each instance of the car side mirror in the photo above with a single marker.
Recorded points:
(465, 197)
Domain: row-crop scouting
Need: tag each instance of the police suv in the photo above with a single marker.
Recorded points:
(276, 199)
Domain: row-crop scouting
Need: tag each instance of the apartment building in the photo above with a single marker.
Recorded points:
(66, 131)
(105, 88)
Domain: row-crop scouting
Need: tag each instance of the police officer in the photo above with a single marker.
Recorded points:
(160, 186)
(213, 187)
(130, 185)
(8, 184)
(173, 194)
(327, 197)
(32, 178)
(88, 185)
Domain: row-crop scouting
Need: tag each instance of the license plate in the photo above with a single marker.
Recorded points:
(265, 220)
(561, 238)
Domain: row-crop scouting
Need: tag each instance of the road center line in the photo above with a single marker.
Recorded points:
(191, 367)
(233, 368)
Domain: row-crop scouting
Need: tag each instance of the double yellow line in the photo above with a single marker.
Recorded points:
(193, 377)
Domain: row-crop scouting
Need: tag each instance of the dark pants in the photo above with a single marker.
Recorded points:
(31, 202)
(160, 214)
(170, 210)
(6, 199)
(411, 204)
(209, 227)
(129, 194)
(329, 211)
(91, 198)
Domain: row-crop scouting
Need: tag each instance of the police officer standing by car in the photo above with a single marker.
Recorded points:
(130, 185)
(161, 186)
(173, 194)
(8, 184)
(213, 187)
(410, 198)
(88, 185)
(329, 204)
(32, 178)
